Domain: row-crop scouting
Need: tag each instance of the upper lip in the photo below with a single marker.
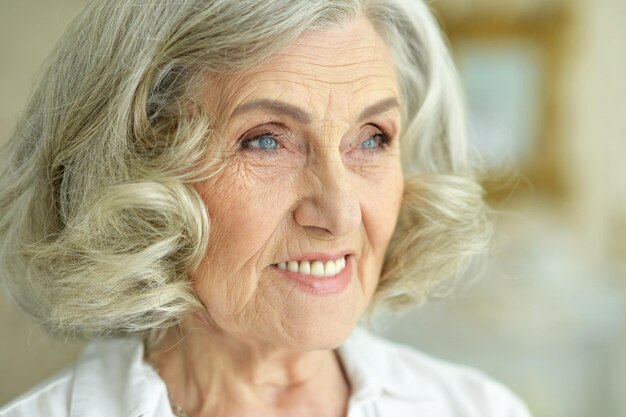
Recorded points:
(320, 256)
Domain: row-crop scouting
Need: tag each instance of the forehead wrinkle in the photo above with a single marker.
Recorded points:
(346, 49)
(372, 61)
(316, 53)
(361, 83)
(374, 72)
(317, 37)
(362, 71)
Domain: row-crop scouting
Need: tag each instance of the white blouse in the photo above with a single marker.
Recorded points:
(388, 380)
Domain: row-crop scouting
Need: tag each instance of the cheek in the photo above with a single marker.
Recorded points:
(381, 205)
(244, 216)
(244, 209)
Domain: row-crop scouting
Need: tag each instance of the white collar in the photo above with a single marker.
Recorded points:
(373, 370)
(112, 371)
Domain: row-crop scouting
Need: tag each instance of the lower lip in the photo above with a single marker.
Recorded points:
(321, 285)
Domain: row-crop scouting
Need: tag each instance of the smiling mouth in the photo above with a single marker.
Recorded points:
(316, 268)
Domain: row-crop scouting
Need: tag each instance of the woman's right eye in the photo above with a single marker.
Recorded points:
(264, 142)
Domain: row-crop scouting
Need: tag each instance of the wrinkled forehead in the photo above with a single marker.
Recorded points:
(340, 69)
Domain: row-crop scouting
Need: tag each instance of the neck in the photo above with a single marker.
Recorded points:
(212, 372)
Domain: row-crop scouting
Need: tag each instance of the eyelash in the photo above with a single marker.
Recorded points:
(385, 141)
(245, 143)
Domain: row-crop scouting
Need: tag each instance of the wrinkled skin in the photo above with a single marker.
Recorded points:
(328, 183)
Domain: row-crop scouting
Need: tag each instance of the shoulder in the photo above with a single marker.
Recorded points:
(110, 379)
(408, 374)
(50, 398)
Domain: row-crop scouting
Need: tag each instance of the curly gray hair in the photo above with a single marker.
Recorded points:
(100, 226)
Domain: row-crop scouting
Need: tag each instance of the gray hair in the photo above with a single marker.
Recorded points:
(100, 227)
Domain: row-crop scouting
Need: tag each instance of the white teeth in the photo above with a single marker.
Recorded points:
(305, 267)
(329, 268)
(340, 264)
(292, 266)
(315, 268)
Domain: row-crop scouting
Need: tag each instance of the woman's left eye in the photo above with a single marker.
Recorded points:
(378, 140)
(263, 142)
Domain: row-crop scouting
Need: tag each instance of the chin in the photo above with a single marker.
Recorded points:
(319, 332)
(324, 322)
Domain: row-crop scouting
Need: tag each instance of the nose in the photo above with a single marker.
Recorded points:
(330, 206)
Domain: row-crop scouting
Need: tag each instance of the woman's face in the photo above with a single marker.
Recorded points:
(314, 182)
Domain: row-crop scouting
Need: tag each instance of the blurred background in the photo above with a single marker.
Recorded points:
(546, 87)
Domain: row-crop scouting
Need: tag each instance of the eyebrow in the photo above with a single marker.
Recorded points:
(277, 107)
(379, 107)
(285, 109)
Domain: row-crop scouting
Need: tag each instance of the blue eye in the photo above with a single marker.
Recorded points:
(376, 141)
(264, 142)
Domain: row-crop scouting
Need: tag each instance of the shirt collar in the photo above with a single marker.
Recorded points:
(113, 373)
(374, 368)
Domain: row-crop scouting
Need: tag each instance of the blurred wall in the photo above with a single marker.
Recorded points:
(592, 98)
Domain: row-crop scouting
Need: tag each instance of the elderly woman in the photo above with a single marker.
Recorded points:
(214, 191)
